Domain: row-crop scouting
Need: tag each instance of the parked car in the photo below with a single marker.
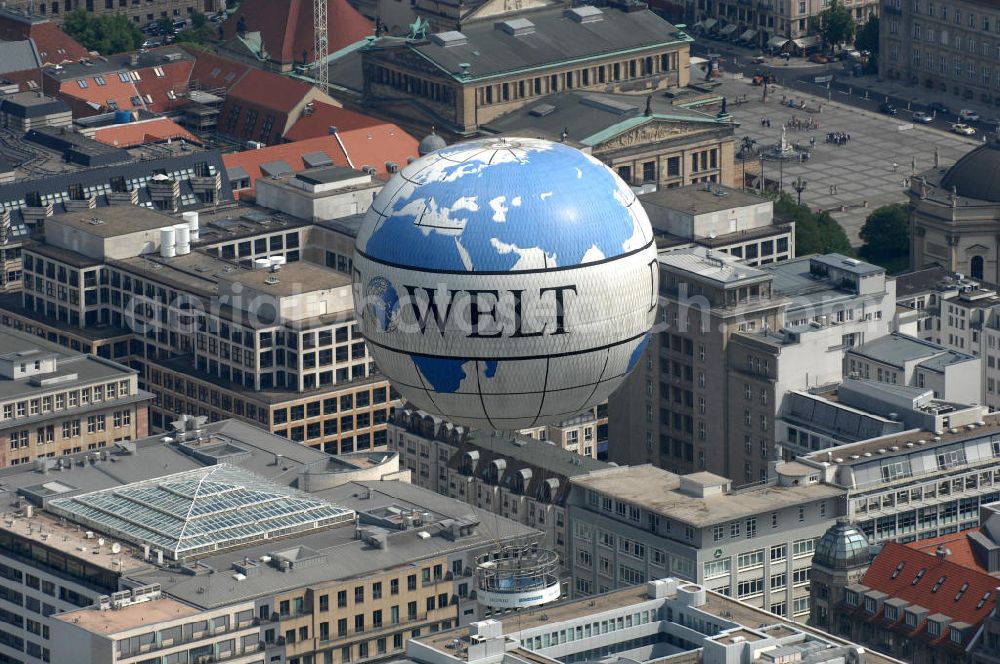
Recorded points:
(757, 59)
(152, 43)
(922, 117)
(819, 58)
(968, 115)
(963, 129)
(938, 107)
(887, 108)
(180, 24)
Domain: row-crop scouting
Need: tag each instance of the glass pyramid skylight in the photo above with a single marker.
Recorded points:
(200, 511)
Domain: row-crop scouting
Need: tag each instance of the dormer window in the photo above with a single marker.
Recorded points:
(851, 598)
(956, 636)
(871, 606)
(890, 613)
(933, 628)
(911, 620)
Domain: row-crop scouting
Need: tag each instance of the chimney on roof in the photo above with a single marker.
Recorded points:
(134, 59)
(942, 551)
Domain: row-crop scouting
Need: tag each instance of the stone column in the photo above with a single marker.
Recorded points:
(953, 240)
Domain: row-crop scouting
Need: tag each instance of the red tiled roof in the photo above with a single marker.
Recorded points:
(139, 133)
(287, 27)
(93, 97)
(290, 153)
(368, 141)
(374, 146)
(959, 545)
(325, 116)
(269, 91)
(175, 79)
(949, 599)
(212, 71)
(54, 45)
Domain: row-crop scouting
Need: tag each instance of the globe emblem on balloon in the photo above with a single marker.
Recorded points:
(382, 304)
(505, 284)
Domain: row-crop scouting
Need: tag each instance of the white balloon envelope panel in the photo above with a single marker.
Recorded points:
(504, 284)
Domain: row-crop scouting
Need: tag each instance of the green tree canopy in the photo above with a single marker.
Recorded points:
(107, 33)
(867, 37)
(886, 236)
(836, 24)
(815, 233)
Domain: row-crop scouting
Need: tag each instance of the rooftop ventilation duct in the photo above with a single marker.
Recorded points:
(517, 27)
(449, 38)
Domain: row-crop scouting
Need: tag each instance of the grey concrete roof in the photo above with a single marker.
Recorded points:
(114, 220)
(291, 279)
(897, 349)
(711, 265)
(695, 199)
(556, 39)
(792, 279)
(920, 281)
(76, 370)
(655, 489)
(254, 450)
(18, 56)
(342, 556)
(847, 264)
(31, 105)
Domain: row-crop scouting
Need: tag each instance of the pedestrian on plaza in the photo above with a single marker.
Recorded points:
(831, 190)
(895, 167)
(768, 123)
(812, 141)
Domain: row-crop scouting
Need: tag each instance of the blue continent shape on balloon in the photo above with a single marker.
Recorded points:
(384, 302)
(446, 374)
(637, 353)
(555, 202)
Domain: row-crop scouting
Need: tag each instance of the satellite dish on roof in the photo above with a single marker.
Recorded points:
(116, 548)
(160, 177)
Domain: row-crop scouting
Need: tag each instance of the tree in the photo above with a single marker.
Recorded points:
(886, 236)
(867, 37)
(106, 33)
(198, 20)
(165, 24)
(836, 24)
(814, 233)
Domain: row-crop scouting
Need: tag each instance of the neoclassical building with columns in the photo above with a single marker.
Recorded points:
(955, 216)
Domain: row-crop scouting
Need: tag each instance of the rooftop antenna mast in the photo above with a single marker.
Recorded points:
(321, 46)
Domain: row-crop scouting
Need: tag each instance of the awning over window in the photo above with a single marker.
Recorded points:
(748, 35)
(728, 30)
(777, 42)
(807, 42)
(708, 23)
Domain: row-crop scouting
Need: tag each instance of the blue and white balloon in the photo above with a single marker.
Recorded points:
(506, 283)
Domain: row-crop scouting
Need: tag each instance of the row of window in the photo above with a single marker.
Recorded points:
(63, 400)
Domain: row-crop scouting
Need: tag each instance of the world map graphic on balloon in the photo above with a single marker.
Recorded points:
(496, 211)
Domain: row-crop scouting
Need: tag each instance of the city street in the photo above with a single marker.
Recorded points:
(871, 168)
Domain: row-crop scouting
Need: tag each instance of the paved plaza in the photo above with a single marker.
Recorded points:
(862, 170)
